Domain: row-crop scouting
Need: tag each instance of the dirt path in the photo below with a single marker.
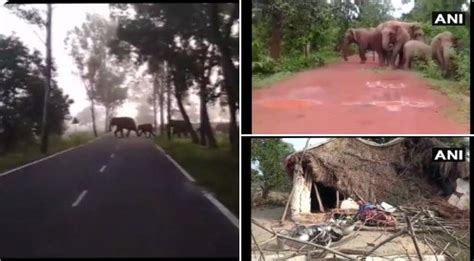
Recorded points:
(348, 97)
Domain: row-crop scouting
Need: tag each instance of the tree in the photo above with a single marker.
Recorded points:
(269, 154)
(102, 75)
(32, 15)
(167, 33)
(109, 91)
(22, 91)
(225, 41)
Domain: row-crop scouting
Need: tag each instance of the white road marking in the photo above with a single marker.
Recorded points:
(76, 203)
(232, 218)
(103, 168)
(160, 149)
(183, 171)
(112, 156)
(226, 212)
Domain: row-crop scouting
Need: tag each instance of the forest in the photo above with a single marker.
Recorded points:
(291, 36)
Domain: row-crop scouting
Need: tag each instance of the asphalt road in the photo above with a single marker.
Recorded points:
(138, 205)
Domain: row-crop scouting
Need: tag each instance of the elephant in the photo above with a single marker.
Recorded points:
(443, 46)
(178, 127)
(414, 29)
(395, 34)
(123, 123)
(366, 39)
(416, 49)
(393, 39)
(147, 129)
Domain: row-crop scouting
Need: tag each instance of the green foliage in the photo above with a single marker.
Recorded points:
(266, 65)
(430, 69)
(268, 154)
(22, 84)
(462, 60)
(315, 24)
(298, 63)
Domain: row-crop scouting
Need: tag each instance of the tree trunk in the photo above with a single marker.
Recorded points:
(162, 109)
(265, 192)
(207, 136)
(168, 101)
(93, 117)
(189, 126)
(155, 86)
(275, 39)
(44, 125)
(231, 75)
(107, 111)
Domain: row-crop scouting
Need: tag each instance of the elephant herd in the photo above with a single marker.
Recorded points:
(127, 123)
(177, 127)
(402, 40)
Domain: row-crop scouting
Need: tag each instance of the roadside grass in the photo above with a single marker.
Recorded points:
(30, 152)
(217, 170)
(260, 81)
(459, 94)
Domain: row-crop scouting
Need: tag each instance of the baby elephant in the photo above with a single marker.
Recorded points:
(443, 47)
(416, 49)
(146, 128)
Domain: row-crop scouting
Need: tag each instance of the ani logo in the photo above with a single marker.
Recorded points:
(448, 18)
(449, 154)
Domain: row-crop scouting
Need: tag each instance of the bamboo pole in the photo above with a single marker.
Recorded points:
(321, 207)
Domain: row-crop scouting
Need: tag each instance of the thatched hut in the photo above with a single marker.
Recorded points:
(396, 172)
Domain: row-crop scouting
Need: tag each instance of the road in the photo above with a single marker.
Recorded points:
(351, 98)
(110, 198)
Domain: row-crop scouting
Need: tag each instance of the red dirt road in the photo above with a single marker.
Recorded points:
(348, 98)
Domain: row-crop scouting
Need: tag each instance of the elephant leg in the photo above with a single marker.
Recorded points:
(128, 132)
(381, 58)
(362, 54)
(407, 63)
(395, 53)
(115, 132)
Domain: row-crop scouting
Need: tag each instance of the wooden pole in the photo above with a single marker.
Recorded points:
(321, 207)
(293, 188)
(337, 199)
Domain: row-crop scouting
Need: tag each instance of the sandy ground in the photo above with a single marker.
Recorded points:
(364, 240)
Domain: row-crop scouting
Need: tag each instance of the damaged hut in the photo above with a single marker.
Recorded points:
(397, 172)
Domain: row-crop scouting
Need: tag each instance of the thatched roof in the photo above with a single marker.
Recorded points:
(357, 167)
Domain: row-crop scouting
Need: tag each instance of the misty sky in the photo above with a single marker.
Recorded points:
(65, 18)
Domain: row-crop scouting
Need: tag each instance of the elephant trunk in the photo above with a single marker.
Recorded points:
(448, 52)
(345, 49)
(386, 45)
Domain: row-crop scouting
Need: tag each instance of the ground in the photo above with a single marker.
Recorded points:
(349, 97)
(270, 216)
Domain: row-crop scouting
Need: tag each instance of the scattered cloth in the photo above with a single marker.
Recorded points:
(371, 215)
(349, 203)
